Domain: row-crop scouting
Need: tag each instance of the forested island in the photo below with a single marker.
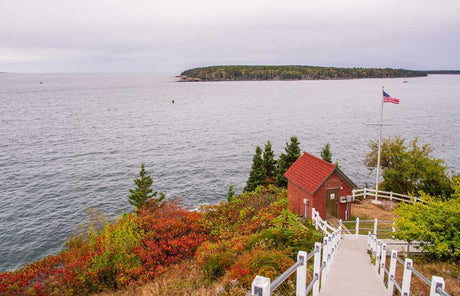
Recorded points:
(244, 72)
(456, 72)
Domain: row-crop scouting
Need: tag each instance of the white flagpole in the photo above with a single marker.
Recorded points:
(379, 148)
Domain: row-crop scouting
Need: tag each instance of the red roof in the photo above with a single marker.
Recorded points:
(309, 172)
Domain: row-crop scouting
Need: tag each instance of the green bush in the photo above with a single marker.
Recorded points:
(287, 233)
(116, 263)
(216, 265)
(436, 225)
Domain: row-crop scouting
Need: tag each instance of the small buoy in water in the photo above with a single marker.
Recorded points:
(173, 101)
(41, 82)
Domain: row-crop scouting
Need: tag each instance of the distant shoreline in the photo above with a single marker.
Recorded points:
(452, 72)
(263, 73)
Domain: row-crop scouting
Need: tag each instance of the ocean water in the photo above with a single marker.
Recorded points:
(76, 141)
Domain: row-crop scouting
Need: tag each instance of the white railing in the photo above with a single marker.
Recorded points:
(366, 192)
(322, 225)
(323, 255)
(379, 250)
(382, 231)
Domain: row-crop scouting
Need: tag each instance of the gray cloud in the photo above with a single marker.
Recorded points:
(138, 36)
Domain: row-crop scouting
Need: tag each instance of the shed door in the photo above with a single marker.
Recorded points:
(332, 197)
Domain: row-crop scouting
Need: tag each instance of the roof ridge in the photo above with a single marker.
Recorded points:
(310, 172)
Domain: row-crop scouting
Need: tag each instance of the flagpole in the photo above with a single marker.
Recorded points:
(379, 148)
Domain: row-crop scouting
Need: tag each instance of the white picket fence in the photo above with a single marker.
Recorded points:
(323, 255)
(379, 251)
(375, 229)
(366, 192)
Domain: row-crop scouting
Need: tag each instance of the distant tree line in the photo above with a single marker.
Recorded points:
(241, 72)
(443, 72)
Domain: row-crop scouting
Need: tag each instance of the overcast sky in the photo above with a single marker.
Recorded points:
(174, 35)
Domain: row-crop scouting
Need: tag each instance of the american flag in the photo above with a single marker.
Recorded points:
(389, 99)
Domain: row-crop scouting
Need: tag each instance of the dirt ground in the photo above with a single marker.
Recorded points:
(365, 209)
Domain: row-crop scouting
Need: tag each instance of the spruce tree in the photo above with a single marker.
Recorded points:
(269, 162)
(286, 160)
(230, 192)
(326, 153)
(257, 174)
(143, 192)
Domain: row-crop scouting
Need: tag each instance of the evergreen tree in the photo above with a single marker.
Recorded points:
(230, 192)
(326, 153)
(143, 192)
(286, 160)
(257, 175)
(269, 161)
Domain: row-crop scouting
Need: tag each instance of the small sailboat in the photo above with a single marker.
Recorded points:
(405, 79)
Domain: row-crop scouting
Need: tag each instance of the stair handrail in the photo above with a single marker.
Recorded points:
(323, 255)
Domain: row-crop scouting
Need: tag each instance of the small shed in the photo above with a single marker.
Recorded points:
(316, 183)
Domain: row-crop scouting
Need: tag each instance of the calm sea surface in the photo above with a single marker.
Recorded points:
(76, 141)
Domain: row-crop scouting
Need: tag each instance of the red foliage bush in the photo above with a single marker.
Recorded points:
(160, 236)
(259, 261)
(171, 234)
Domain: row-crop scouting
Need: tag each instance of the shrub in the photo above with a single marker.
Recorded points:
(245, 228)
(131, 249)
(287, 233)
(171, 234)
(115, 263)
(246, 213)
(436, 225)
(259, 261)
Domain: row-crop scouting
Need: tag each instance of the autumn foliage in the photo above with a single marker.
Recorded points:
(252, 234)
(132, 249)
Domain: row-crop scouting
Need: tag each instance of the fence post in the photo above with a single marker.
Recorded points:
(391, 195)
(339, 237)
(436, 282)
(405, 288)
(353, 192)
(393, 230)
(369, 241)
(377, 255)
(374, 245)
(313, 216)
(375, 226)
(301, 283)
(316, 269)
(260, 286)
(336, 242)
(357, 227)
(332, 250)
(365, 193)
(306, 203)
(392, 271)
(383, 258)
(324, 260)
(329, 252)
